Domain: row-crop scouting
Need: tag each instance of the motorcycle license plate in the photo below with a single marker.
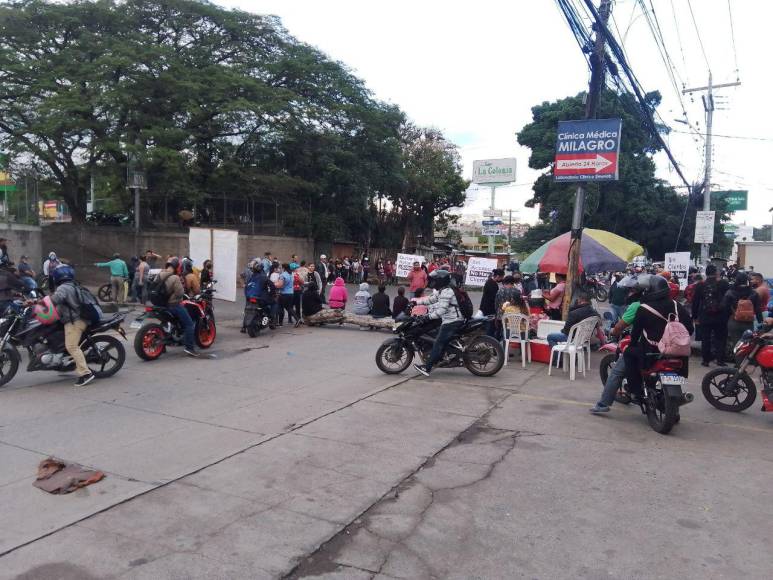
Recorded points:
(136, 324)
(672, 379)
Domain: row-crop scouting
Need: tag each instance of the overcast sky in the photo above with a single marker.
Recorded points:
(475, 69)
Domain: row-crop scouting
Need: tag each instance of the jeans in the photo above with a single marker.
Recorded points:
(444, 336)
(617, 312)
(614, 382)
(187, 323)
(297, 304)
(553, 339)
(713, 338)
(286, 304)
(73, 331)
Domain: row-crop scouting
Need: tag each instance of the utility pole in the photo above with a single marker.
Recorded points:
(509, 234)
(708, 106)
(598, 73)
(493, 206)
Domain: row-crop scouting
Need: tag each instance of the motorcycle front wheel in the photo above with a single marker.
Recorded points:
(105, 293)
(722, 396)
(394, 356)
(105, 355)
(9, 363)
(662, 410)
(149, 343)
(601, 294)
(206, 331)
(484, 356)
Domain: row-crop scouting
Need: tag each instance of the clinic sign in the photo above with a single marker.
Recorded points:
(587, 150)
(493, 170)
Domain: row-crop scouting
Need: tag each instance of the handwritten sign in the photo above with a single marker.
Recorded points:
(405, 263)
(479, 270)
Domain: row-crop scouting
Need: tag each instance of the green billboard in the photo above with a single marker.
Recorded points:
(737, 200)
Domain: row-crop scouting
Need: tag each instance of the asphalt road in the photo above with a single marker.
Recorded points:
(291, 455)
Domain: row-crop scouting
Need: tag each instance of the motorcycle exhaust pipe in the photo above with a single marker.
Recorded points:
(687, 398)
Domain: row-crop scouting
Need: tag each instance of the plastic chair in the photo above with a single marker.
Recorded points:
(574, 347)
(515, 328)
(592, 323)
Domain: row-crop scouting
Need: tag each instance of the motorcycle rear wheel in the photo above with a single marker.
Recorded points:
(484, 356)
(105, 293)
(715, 389)
(662, 410)
(393, 357)
(601, 294)
(108, 358)
(9, 363)
(149, 342)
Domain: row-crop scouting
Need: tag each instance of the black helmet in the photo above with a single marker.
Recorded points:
(657, 288)
(173, 263)
(439, 279)
(741, 280)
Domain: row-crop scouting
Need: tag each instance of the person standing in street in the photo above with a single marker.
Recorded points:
(324, 274)
(417, 278)
(757, 282)
(67, 302)
(554, 298)
(708, 315)
(617, 298)
(742, 306)
(488, 302)
(119, 274)
(286, 292)
(51, 263)
(140, 280)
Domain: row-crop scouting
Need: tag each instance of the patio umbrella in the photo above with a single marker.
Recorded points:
(601, 251)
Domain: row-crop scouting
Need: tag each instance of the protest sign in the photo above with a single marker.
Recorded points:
(478, 271)
(405, 263)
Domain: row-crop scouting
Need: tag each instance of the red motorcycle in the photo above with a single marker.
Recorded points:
(153, 338)
(732, 388)
(662, 383)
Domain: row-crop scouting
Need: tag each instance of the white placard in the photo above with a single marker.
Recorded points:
(199, 245)
(678, 264)
(479, 270)
(405, 263)
(226, 247)
(493, 170)
(704, 227)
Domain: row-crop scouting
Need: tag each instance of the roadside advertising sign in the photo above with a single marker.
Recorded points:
(494, 222)
(704, 227)
(737, 200)
(493, 170)
(491, 231)
(587, 150)
(492, 213)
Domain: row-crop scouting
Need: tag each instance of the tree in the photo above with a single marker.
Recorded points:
(432, 182)
(639, 206)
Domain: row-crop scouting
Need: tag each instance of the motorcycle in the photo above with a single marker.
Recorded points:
(662, 385)
(595, 289)
(153, 338)
(732, 388)
(105, 355)
(471, 348)
(257, 316)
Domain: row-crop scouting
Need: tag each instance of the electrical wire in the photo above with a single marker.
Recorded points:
(679, 38)
(698, 33)
(744, 137)
(732, 37)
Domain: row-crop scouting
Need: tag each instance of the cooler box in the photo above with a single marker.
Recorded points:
(540, 350)
(545, 327)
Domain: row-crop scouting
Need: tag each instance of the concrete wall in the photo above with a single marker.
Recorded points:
(23, 240)
(84, 245)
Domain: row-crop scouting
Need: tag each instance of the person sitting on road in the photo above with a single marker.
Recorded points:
(338, 294)
(311, 303)
(381, 303)
(419, 309)
(400, 304)
(175, 291)
(648, 329)
(616, 375)
(363, 303)
(68, 305)
(444, 307)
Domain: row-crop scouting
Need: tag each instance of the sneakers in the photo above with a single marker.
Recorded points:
(85, 380)
(599, 408)
(423, 369)
(191, 352)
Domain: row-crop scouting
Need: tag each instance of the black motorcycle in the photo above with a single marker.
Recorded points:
(257, 316)
(470, 348)
(104, 354)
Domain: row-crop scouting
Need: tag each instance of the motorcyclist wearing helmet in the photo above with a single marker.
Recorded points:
(444, 307)
(176, 292)
(648, 329)
(68, 305)
(190, 278)
(635, 286)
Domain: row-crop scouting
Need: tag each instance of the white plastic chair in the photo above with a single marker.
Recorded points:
(515, 328)
(574, 347)
(592, 323)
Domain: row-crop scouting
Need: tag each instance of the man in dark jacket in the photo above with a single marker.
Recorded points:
(708, 315)
(488, 305)
(10, 283)
(648, 329)
(380, 308)
(581, 310)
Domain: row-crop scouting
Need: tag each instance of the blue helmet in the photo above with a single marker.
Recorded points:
(63, 273)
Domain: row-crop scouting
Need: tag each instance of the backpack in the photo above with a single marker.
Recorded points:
(270, 289)
(464, 304)
(297, 283)
(158, 294)
(711, 299)
(675, 340)
(89, 305)
(744, 311)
